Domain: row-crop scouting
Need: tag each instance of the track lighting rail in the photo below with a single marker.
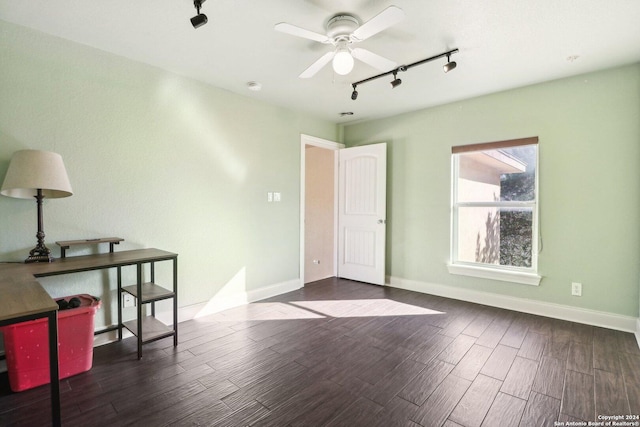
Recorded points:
(403, 68)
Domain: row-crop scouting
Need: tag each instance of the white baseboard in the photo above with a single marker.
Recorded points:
(547, 309)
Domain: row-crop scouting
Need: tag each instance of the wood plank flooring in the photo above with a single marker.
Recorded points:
(342, 353)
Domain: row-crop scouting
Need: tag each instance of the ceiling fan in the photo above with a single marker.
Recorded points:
(344, 30)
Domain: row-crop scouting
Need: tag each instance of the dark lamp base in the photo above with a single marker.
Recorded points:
(40, 254)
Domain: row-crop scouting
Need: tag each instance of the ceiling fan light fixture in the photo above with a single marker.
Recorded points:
(342, 31)
(343, 62)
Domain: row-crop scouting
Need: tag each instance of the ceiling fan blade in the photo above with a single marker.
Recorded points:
(317, 66)
(376, 61)
(385, 19)
(283, 27)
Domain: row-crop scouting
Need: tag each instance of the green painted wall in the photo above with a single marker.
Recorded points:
(157, 159)
(168, 162)
(589, 130)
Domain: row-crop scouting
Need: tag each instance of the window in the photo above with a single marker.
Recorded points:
(494, 214)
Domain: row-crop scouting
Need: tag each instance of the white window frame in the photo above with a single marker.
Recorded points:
(521, 275)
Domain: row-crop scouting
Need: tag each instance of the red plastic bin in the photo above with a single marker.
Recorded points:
(27, 345)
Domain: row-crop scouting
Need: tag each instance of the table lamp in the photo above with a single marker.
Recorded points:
(39, 174)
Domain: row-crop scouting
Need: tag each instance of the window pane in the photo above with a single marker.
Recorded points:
(479, 235)
(499, 236)
(506, 174)
(516, 237)
(520, 186)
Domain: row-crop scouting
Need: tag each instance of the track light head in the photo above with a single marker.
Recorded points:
(354, 94)
(450, 65)
(396, 81)
(200, 19)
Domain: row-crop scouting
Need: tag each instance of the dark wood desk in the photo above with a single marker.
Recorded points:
(23, 298)
(78, 264)
(153, 330)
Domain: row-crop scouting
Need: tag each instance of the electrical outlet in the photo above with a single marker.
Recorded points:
(576, 289)
(128, 300)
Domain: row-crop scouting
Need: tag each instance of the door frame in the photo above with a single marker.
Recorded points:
(329, 145)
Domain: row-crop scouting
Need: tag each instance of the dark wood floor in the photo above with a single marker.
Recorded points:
(340, 353)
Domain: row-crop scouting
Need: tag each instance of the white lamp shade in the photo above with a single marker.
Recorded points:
(343, 62)
(31, 170)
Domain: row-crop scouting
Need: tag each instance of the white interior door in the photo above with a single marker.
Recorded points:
(362, 213)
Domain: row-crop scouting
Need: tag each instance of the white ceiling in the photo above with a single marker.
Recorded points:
(503, 44)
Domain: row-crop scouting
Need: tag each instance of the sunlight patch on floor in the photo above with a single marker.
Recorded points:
(364, 308)
(265, 311)
(320, 309)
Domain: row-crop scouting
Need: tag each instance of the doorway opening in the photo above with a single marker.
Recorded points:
(318, 208)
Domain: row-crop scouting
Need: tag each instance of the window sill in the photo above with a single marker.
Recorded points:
(495, 274)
